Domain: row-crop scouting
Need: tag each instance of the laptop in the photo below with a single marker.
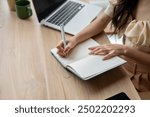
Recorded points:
(73, 14)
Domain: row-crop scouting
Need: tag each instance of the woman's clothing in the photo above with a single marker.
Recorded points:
(136, 35)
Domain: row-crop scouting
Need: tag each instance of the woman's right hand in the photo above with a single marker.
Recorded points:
(65, 51)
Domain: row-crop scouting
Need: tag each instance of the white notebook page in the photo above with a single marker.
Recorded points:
(93, 65)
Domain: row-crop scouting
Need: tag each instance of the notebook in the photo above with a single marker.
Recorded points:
(84, 65)
(74, 14)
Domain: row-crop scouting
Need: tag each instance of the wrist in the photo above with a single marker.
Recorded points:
(76, 39)
(125, 50)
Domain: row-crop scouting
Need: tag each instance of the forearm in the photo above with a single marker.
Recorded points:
(135, 54)
(93, 28)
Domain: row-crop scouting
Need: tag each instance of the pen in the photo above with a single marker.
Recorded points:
(63, 35)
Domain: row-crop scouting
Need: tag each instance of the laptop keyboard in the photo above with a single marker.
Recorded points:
(66, 13)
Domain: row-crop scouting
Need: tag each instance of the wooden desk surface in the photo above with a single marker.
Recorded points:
(28, 70)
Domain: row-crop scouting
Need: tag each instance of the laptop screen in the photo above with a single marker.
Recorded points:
(44, 7)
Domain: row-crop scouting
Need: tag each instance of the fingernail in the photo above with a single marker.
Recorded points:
(90, 53)
(104, 59)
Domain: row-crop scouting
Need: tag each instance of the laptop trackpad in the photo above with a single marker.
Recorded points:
(82, 19)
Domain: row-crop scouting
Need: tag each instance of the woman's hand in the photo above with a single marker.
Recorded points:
(64, 51)
(108, 51)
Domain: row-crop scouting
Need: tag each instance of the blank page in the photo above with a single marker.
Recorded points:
(93, 65)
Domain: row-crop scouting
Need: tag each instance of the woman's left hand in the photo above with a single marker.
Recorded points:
(108, 51)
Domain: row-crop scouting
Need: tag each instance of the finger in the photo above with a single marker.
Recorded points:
(60, 46)
(67, 48)
(101, 47)
(68, 51)
(94, 50)
(91, 48)
(60, 53)
(109, 55)
(101, 52)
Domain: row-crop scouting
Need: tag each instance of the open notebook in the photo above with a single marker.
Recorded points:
(84, 65)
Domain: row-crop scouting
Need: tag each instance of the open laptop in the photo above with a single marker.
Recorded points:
(73, 14)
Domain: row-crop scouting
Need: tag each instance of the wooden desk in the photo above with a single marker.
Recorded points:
(28, 70)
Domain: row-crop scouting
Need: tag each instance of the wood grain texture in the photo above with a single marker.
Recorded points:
(29, 71)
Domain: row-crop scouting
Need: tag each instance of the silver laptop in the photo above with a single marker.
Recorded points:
(73, 14)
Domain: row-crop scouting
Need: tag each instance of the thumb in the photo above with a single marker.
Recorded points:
(67, 49)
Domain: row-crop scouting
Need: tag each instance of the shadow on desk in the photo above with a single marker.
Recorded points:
(104, 82)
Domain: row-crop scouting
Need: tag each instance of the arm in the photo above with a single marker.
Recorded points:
(135, 54)
(92, 29)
